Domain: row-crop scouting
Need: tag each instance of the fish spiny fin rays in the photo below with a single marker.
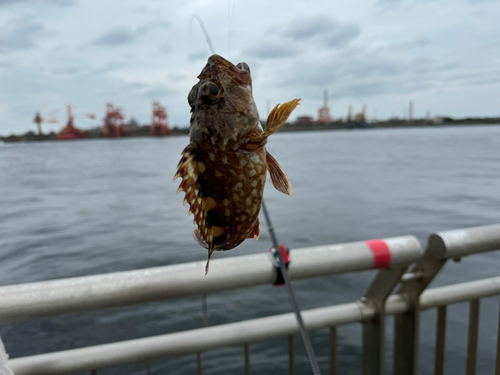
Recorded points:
(278, 116)
(278, 175)
(188, 170)
(255, 231)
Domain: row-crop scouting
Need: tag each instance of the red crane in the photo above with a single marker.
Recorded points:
(69, 131)
(159, 121)
(114, 125)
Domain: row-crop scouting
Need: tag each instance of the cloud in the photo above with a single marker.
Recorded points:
(126, 35)
(272, 50)
(109, 67)
(60, 3)
(19, 34)
(201, 54)
(118, 36)
(157, 91)
(410, 44)
(67, 70)
(324, 29)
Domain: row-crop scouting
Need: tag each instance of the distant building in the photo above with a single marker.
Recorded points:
(304, 119)
(324, 112)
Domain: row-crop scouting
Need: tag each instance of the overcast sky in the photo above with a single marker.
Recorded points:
(442, 55)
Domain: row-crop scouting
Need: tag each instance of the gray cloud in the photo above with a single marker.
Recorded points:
(365, 73)
(67, 70)
(125, 35)
(165, 48)
(324, 29)
(157, 91)
(118, 36)
(202, 54)
(109, 67)
(272, 50)
(19, 34)
(411, 44)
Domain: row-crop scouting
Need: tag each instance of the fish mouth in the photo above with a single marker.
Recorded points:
(239, 73)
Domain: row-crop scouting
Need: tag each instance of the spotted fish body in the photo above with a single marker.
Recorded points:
(224, 167)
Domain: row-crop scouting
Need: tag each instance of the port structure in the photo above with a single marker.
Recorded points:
(159, 121)
(38, 120)
(114, 125)
(70, 131)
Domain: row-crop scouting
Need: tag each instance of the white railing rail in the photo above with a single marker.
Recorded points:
(211, 338)
(393, 256)
(48, 298)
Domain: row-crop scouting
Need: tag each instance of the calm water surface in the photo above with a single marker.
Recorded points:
(89, 207)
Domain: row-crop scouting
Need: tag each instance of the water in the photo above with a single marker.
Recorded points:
(89, 207)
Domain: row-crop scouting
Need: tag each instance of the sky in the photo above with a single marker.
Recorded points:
(444, 56)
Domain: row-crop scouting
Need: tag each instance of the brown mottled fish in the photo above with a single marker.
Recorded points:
(224, 166)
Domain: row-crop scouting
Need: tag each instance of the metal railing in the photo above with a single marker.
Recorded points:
(393, 256)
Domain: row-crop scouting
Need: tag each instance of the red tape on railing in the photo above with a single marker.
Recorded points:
(381, 253)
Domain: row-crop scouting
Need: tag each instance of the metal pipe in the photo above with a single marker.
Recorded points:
(210, 338)
(48, 298)
(460, 242)
(333, 351)
(291, 355)
(440, 340)
(473, 336)
(246, 349)
(497, 364)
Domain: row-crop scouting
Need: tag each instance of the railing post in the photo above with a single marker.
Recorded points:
(497, 366)
(440, 340)
(247, 359)
(473, 336)
(406, 325)
(333, 351)
(374, 329)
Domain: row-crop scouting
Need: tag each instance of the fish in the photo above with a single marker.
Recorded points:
(224, 167)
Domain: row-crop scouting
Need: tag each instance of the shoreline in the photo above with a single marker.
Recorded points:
(288, 127)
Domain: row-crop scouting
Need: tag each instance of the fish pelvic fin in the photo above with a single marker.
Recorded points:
(255, 231)
(278, 116)
(198, 238)
(278, 175)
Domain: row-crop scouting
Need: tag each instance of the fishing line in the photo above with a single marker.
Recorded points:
(291, 295)
(203, 28)
(276, 252)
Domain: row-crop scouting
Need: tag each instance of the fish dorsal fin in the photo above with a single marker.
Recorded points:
(278, 175)
(189, 170)
(278, 116)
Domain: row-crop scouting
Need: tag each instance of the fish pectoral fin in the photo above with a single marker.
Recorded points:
(278, 116)
(198, 238)
(255, 231)
(278, 175)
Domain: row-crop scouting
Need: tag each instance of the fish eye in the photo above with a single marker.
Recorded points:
(213, 90)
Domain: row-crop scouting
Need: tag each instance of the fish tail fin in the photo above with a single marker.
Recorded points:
(210, 252)
(278, 116)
